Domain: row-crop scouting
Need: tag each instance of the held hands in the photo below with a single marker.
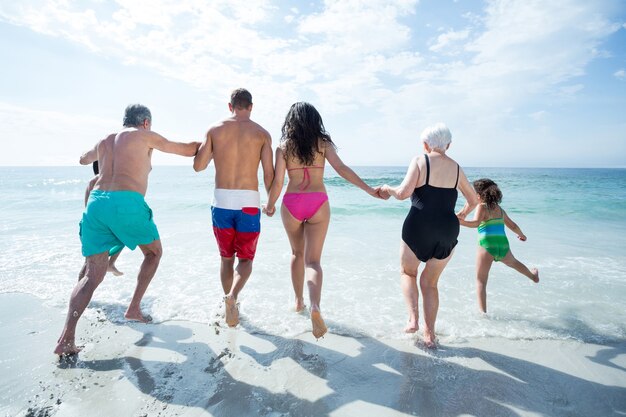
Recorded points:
(382, 191)
(376, 193)
(269, 211)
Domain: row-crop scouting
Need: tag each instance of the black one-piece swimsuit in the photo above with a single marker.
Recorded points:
(431, 228)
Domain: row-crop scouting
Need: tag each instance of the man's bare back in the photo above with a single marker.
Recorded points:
(237, 145)
(125, 158)
(237, 148)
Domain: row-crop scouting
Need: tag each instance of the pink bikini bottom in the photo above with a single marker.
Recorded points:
(303, 206)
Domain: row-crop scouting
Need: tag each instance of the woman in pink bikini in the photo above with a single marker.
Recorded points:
(304, 147)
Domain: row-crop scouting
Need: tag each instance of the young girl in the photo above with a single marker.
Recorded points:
(490, 220)
(304, 149)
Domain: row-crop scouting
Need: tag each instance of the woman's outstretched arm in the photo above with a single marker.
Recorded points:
(346, 172)
(405, 189)
(471, 199)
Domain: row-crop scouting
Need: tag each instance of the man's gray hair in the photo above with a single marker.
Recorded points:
(437, 136)
(136, 114)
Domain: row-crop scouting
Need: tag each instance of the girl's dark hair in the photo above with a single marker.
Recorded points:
(301, 132)
(488, 191)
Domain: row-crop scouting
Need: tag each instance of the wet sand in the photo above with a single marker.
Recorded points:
(180, 368)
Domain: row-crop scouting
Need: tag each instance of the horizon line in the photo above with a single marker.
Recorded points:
(352, 165)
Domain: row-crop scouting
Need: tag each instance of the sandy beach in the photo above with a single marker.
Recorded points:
(179, 368)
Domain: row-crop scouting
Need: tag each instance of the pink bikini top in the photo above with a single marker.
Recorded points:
(306, 180)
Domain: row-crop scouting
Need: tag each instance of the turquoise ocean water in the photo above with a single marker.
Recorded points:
(575, 220)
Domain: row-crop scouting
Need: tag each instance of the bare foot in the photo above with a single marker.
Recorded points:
(319, 327)
(137, 316)
(66, 349)
(430, 345)
(430, 342)
(113, 269)
(411, 327)
(300, 306)
(535, 272)
(231, 310)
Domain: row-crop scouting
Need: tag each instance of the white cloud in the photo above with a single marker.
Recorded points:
(549, 40)
(360, 25)
(570, 90)
(620, 74)
(363, 57)
(445, 39)
(539, 116)
(344, 48)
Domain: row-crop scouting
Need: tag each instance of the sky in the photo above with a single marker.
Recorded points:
(520, 83)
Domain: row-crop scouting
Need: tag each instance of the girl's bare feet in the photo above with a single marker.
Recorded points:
(319, 327)
(535, 272)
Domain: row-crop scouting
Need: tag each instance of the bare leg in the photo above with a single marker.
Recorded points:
(231, 312)
(484, 260)
(240, 277)
(510, 261)
(242, 273)
(112, 268)
(227, 270)
(314, 234)
(315, 230)
(428, 284)
(295, 232)
(83, 270)
(408, 281)
(81, 295)
(152, 253)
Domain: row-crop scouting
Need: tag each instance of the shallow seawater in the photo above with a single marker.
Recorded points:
(575, 220)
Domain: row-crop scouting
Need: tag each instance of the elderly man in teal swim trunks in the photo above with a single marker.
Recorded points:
(117, 214)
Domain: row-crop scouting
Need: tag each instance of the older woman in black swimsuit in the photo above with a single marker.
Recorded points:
(431, 228)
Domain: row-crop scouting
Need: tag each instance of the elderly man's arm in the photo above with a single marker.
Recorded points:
(90, 156)
(158, 142)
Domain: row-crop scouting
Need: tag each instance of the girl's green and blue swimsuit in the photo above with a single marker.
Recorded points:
(492, 237)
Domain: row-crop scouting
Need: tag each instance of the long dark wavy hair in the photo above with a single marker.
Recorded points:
(301, 132)
(488, 191)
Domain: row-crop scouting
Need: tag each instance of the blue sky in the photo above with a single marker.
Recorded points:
(519, 82)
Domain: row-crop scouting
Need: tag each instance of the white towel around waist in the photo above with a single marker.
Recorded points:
(236, 199)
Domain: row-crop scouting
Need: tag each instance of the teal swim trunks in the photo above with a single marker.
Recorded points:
(114, 219)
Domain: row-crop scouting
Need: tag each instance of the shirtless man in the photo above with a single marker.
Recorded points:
(237, 145)
(117, 214)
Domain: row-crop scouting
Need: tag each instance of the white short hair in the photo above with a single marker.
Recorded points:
(437, 136)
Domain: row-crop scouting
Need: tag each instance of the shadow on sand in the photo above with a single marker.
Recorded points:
(225, 376)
